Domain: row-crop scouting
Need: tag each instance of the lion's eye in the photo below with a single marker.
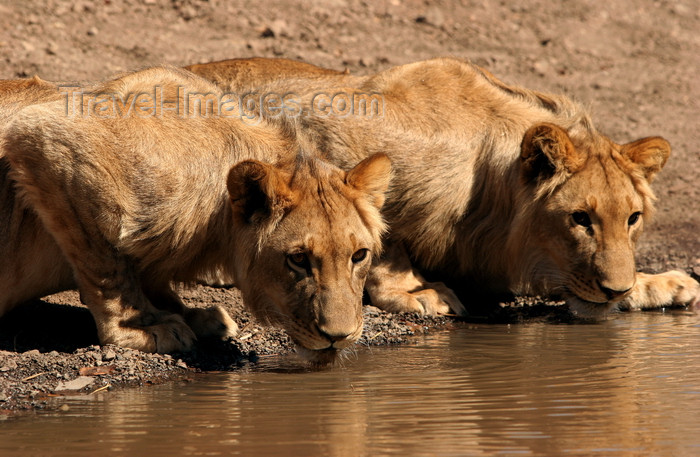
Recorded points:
(582, 218)
(298, 260)
(359, 256)
(634, 218)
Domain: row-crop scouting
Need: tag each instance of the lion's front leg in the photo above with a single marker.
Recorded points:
(109, 284)
(123, 314)
(394, 285)
(664, 289)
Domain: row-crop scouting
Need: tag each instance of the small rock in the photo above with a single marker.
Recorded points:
(109, 355)
(434, 16)
(32, 353)
(29, 47)
(78, 383)
(181, 364)
(92, 31)
(61, 9)
(51, 48)
(64, 407)
(680, 9)
(279, 27)
(372, 310)
(188, 13)
(542, 68)
(603, 84)
(366, 61)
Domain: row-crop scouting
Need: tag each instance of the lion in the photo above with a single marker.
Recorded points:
(22, 234)
(239, 74)
(497, 189)
(141, 189)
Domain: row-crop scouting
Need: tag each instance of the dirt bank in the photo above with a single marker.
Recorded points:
(50, 348)
(635, 62)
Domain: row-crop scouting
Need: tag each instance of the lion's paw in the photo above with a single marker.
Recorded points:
(446, 298)
(172, 337)
(428, 302)
(168, 333)
(672, 288)
(431, 301)
(211, 322)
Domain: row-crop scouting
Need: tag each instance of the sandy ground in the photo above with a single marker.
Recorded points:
(634, 62)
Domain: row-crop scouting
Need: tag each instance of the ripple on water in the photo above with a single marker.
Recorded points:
(628, 386)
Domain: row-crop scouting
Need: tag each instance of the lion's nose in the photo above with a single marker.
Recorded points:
(339, 338)
(334, 335)
(613, 293)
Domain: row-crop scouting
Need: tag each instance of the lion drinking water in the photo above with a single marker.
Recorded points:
(140, 188)
(496, 188)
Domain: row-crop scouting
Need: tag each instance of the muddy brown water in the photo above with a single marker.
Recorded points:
(629, 386)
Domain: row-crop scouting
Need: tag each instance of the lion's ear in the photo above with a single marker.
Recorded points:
(256, 190)
(372, 177)
(546, 149)
(650, 154)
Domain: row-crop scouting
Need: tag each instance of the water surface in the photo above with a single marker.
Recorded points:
(626, 387)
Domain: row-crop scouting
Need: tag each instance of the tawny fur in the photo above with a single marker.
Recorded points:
(488, 178)
(139, 200)
(235, 74)
(22, 236)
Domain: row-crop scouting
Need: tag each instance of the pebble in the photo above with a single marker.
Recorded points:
(680, 9)
(279, 27)
(51, 48)
(435, 16)
(188, 13)
(109, 355)
(542, 68)
(366, 61)
(78, 383)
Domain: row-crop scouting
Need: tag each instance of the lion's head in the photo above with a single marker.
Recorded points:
(592, 197)
(307, 234)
